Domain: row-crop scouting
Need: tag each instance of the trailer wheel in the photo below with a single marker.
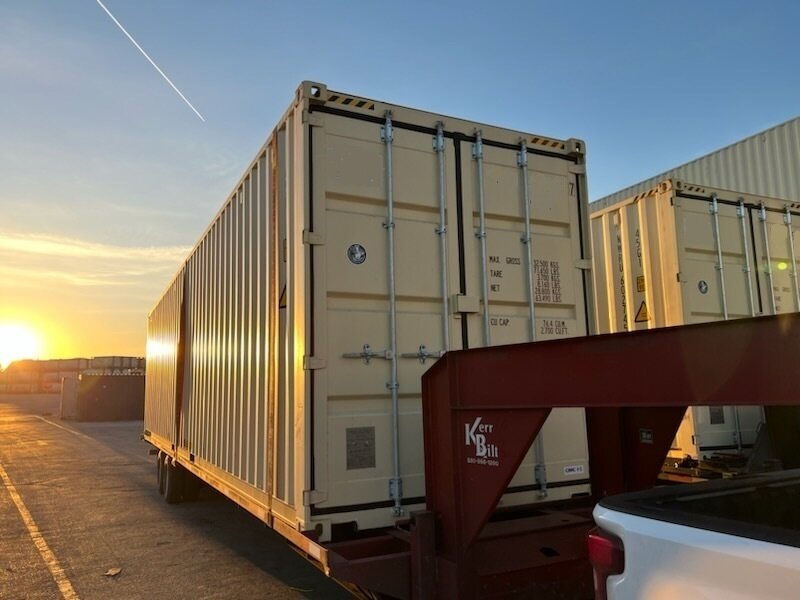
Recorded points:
(160, 472)
(173, 482)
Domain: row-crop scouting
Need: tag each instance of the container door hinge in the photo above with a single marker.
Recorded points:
(312, 363)
(577, 169)
(584, 264)
(314, 497)
(313, 119)
(312, 238)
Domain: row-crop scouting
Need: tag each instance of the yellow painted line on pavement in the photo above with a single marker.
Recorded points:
(79, 434)
(54, 424)
(61, 579)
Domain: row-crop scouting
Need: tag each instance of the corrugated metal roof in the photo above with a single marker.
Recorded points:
(767, 164)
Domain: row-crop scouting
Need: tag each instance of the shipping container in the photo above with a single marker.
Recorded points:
(71, 364)
(68, 409)
(364, 241)
(101, 362)
(108, 398)
(765, 164)
(63, 364)
(683, 253)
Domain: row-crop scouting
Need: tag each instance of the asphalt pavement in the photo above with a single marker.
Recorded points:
(81, 517)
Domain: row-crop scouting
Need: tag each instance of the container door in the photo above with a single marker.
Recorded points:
(775, 234)
(711, 293)
(352, 423)
(708, 291)
(352, 281)
(500, 253)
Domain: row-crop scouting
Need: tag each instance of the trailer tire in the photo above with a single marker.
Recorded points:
(160, 472)
(173, 482)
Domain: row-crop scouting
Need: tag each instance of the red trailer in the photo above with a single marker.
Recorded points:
(482, 410)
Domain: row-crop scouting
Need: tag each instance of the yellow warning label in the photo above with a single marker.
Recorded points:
(282, 301)
(640, 287)
(642, 315)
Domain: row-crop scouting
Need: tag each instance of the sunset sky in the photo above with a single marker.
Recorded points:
(107, 177)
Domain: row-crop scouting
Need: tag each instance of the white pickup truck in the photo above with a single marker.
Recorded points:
(732, 539)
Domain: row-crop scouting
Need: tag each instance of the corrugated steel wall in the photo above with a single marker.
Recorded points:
(163, 338)
(227, 283)
(227, 345)
(767, 164)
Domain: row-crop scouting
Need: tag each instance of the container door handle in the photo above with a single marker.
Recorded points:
(422, 354)
(368, 354)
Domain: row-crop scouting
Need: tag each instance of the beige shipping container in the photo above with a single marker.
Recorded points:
(365, 239)
(766, 164)
(682, 253)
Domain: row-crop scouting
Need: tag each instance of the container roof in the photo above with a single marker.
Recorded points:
(766, 163)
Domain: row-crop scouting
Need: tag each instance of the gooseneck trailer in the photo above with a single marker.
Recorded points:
(387, 314)
(463, 545)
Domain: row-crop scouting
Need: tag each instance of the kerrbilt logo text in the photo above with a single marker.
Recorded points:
(475, 435)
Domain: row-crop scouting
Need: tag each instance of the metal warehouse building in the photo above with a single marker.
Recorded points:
(765, 164)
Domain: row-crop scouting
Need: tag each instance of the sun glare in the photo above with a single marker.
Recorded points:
(17, 342)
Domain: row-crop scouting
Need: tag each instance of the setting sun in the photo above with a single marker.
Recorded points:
(16, 342)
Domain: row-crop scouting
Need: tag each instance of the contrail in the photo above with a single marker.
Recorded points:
(152, 62)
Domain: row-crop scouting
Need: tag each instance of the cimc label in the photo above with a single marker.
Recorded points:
(476, 436)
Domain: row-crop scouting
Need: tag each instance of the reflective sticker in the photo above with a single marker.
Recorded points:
(357, 254)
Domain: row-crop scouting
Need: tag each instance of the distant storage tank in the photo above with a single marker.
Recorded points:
(363, 241)
(764, 164)
(682, 253)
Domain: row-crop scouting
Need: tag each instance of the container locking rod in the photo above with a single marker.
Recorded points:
(713, 208)
(762, 216)
(477, 154)
(740, 212)
(395, 483)
(540, 469)
(441, 231)
(787, 218)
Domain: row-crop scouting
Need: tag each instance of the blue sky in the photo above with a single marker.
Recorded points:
(99, 156)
